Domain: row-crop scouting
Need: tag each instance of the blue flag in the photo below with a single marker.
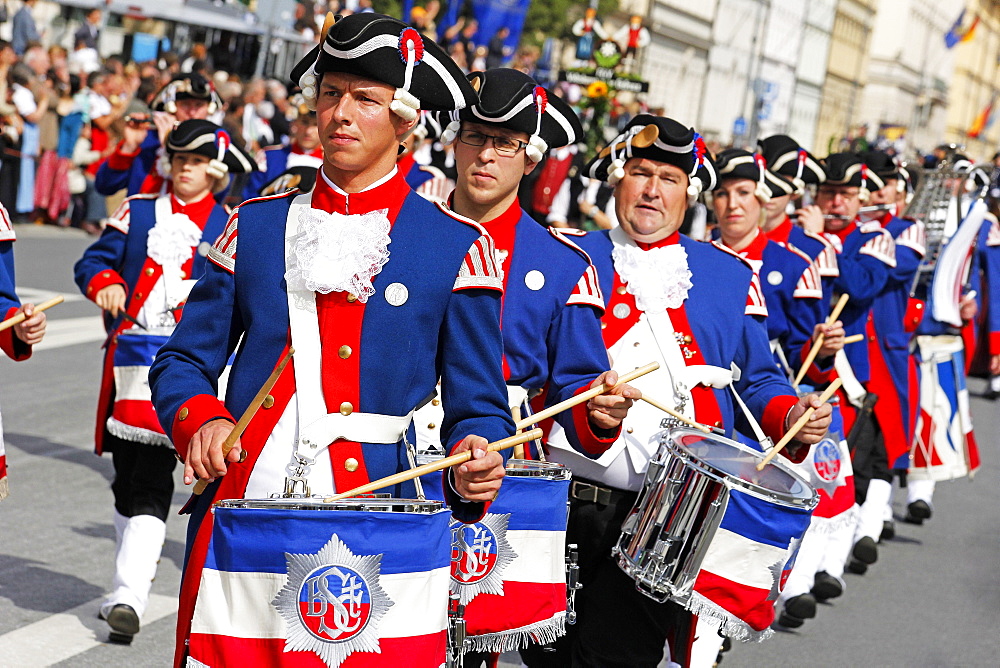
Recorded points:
(955, 34)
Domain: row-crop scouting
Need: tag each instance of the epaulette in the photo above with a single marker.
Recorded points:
(572, 231)
(460, 218)
(263, 198)
(730, 251)
(798, 252)
(558, 234)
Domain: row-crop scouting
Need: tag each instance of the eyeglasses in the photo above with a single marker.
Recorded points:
(502, 145)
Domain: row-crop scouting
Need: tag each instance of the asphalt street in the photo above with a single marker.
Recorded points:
(933, 598)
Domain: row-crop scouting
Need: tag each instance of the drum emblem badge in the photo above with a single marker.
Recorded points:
(332, 602)
(480, 554)
(826, 460)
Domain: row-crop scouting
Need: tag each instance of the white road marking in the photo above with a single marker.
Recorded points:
(36, 295)
(63, 332)
(77, 631)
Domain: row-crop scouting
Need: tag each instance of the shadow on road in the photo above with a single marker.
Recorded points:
(30, 585)
(42, 447)
(172, 549)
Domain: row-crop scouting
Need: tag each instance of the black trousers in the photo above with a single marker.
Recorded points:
(616, 626)
(144, 478)
(868, 454)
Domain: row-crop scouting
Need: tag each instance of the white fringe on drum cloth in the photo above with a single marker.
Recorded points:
(137, 434)
(194, 663)
(729, 625)
(542, 633)
(4, 488)
(828, 525)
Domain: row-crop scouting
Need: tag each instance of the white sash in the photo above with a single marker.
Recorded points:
(322, 428)
(853, 388)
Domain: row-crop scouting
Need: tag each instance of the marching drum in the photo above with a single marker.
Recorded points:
(133, 417)
(509, 568)
(354, 582)
(712, 533)
(944, 446)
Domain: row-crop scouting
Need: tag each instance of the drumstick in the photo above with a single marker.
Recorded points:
(680, 416)
(444, 463)
(586, 396)
(20, 317)
(801, 422)
(248, 414)
(818, 343)
(854, 339)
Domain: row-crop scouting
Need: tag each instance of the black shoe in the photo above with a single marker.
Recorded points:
(788, 621)
(802, 606)
(888, 531)
(918, 510)
(865, 551)
(825, 587)
(856, 567)
(124, 623)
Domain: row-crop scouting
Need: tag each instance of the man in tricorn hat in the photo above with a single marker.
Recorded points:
(133, 164)
(377, 289)
(697, 309)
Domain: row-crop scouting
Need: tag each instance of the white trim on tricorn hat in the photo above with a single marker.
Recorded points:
(425, 66)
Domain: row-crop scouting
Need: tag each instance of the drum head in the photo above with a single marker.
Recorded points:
(317, 503)
(737, 463)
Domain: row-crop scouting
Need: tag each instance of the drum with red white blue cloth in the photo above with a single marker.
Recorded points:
(944, 446)
(713, 533)
(133, 417)
(509, 568)
(300, 582)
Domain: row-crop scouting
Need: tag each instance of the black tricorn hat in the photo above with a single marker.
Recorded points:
(660, 139)
(381, 48)
(787, 159)
(735, 163)
(187, 86)
(300, 177)
(847, 169)
(208, 139)
(428, 127)
(882, 164)
(511, 99)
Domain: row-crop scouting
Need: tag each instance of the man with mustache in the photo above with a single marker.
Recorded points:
(697, 309)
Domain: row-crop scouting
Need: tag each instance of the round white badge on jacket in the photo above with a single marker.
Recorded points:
(774, 278)
(534, 279)
(396, 294)
(203, 248)
(621, 311)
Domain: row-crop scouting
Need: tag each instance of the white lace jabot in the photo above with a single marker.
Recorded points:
(658, 278)
(334, 252)
(171, 244)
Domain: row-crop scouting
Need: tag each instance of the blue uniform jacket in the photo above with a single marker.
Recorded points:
(110, 180)
(439, 331)
(119, 257)
(723, 332)
(866, 257)
(9, 302)
(551, 316)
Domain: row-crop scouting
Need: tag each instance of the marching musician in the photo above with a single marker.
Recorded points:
(865, 257)
(379, 292)
(795, 316)
(790, 281)
(894, 320)
(695, 308)
(16, 341)
(552, 302)
(133, 164)
(784, 157)
(139, 273)
(302, 150)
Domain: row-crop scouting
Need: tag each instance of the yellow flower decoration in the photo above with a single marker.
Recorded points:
(597, 89)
